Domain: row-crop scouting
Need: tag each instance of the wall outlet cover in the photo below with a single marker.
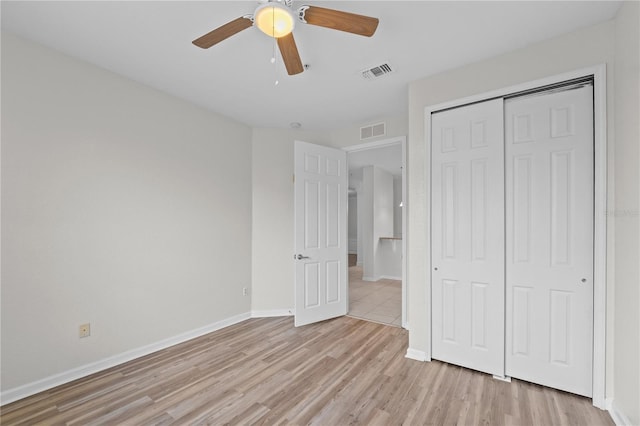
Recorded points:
(84, 330)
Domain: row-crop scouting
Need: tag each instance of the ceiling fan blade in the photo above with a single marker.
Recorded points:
(290, 54)
(223, 32)
(342, 21)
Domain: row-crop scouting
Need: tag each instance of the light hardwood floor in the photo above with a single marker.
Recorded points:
(266, 371)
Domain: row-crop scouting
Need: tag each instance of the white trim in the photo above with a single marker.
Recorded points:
(389, 277)
(405, 216)
(377, 144)
(427, 260)
(417, 355)
(381, 277)
(600, 205)
(32, 388)
(600, 236)
(402, 140)
(273, 313)
(502, 378)
(618, 417)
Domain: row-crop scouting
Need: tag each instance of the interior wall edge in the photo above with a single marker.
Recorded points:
(416, 355)
(618, 417)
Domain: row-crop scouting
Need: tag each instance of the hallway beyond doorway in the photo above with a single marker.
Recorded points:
(379, 301)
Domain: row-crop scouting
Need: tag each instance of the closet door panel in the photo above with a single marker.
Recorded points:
(549, 244)
(468, 236)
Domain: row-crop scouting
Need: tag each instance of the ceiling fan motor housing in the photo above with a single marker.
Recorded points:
(274, 19)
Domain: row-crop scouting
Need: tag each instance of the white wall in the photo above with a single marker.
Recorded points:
(382, 222)
(367, 220)
(380, 258)
(272, 218)
(389, 259)
(583, 48)
(397, 210)
(352, 224)
(360, 202)
(627, 212)
(121, 206)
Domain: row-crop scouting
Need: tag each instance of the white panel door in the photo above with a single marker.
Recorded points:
(549, 270)
(467, 237)
(320, 233)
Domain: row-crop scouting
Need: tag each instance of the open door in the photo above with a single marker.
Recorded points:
(320, 210)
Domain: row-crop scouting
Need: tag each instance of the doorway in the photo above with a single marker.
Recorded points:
(376, 230)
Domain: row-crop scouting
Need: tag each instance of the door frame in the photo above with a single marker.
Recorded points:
(598, 73)
(402, 141)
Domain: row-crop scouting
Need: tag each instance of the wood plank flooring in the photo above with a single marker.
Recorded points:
(265, 371)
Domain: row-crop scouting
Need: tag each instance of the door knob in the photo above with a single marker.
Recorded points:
(584, 280)
(300, 257)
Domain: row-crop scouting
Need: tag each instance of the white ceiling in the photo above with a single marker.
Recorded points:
(150, 42)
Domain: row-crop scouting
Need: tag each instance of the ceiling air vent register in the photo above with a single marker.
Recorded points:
(376, 72)
(372, 131)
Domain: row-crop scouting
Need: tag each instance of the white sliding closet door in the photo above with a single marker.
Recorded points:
(549, 245)
(468, 236)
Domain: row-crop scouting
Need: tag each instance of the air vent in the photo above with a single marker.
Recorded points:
(372, 131)
(377, 72)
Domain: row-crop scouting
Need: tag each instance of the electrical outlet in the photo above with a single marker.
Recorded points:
(245, 291)
(84, 330)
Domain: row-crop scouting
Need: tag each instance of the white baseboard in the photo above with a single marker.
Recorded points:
(272, 313)
(618, 417)
(11, 395)
(381, 277)
(416, 354)
(389, 277)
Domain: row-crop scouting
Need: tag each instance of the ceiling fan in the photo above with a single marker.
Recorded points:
(277, 18)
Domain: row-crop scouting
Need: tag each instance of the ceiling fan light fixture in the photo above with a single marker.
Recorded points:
(274, 19)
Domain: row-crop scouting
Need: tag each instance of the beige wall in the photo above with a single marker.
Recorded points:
(583, 48)
(272, 218)
(627, 212)
(121, 206)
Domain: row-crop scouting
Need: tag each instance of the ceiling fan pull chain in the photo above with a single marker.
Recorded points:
(273, 55)
(273, 52)
(273, 61)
